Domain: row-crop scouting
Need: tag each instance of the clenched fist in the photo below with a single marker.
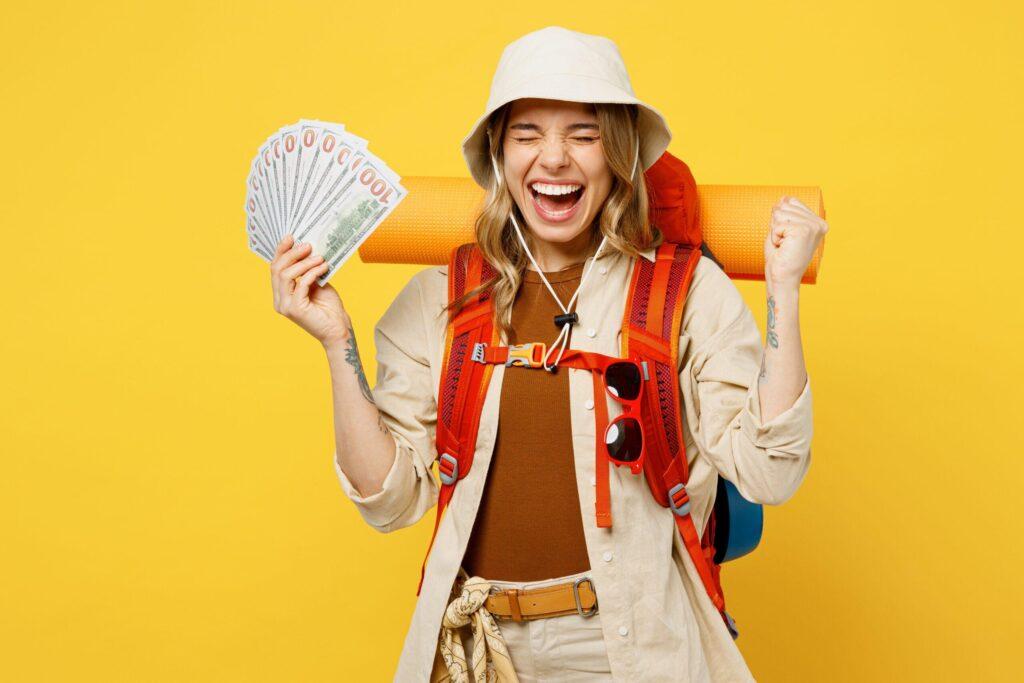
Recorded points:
(794, 235)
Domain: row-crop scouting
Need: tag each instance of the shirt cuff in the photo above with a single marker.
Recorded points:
(789, 432)
(383, 507)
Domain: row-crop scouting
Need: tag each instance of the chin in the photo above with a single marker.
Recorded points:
(556, 234)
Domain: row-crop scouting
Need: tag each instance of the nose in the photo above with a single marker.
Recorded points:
(554, 153)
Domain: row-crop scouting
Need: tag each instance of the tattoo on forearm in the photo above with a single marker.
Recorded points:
(773, 338)
(352, 358)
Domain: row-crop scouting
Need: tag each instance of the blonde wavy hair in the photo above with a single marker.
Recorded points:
(623, 218)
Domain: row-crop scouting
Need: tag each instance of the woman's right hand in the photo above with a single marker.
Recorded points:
(315, 308)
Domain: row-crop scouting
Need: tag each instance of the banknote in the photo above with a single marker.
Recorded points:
(328, 182)
(320, 183)
(371, 196)
(257, 209)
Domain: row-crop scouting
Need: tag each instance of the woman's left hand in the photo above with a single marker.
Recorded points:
(794, 236)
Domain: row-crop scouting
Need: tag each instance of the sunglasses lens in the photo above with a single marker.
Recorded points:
(623, 380)
(624, 439)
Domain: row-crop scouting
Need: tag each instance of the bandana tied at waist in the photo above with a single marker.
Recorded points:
(490, 661)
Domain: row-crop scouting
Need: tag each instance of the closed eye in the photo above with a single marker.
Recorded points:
(579, 138)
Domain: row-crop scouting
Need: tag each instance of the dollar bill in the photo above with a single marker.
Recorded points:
(258, 213)
(320, 183)
(334, 180)
(371, 198)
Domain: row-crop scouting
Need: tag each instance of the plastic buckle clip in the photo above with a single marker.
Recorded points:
(683, 509)
(478, 352)
(527, 355)
(448, 479)
(576, 595)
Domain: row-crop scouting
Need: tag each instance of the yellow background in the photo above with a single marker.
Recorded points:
(169, 508)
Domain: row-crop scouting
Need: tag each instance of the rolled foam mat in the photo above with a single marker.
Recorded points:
(438, 214)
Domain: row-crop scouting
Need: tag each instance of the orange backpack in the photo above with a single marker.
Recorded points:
(651, 328)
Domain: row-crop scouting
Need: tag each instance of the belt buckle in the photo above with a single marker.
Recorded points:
(494, 591)
(576, 596)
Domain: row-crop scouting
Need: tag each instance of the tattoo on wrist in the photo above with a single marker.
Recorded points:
(352, 358)
(773, 338)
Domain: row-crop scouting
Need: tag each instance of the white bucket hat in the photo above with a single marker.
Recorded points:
(558, 64)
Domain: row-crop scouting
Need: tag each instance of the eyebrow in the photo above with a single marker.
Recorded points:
(570, 128)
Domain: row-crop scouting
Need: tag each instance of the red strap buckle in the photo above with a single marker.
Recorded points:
(448, 469)
(679, 500)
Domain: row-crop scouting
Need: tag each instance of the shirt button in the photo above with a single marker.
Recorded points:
(593, 481)
(623, 631)
(602, 270)
(589, 404)
(607, 557)
(591, 332)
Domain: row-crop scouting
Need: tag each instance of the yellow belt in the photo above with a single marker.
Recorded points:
(479, 605)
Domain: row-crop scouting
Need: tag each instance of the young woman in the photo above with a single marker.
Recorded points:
(561, 151)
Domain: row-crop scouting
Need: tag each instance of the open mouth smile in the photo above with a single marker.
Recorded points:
(556, 202)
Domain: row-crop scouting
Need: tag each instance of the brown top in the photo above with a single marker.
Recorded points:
(528, 527)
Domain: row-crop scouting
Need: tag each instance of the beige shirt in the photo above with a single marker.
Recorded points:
(659, 624)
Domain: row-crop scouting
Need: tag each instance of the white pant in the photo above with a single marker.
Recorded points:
(565, 648)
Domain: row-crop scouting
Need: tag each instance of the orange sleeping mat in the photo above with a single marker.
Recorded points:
(437, 215)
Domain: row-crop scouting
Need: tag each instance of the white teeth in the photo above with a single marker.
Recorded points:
(545, 188)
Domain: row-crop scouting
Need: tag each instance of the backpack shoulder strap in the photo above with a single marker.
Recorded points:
(464, 382)
(653, 319)
(651, 327)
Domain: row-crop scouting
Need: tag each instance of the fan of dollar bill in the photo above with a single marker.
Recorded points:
(321, 184)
